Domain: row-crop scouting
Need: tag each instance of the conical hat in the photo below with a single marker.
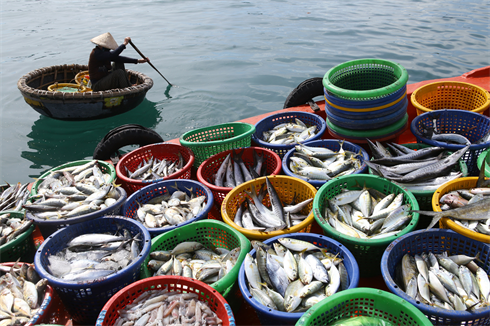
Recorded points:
(105, 40)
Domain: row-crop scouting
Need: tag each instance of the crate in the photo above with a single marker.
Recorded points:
(84, 300)
(160, 151)
(208, 168)
(210, 233)
(286, 187)
(145, 194)
(366, 251)
(333, 145)
(450, 95)
(208, 141)
(467, 123)
(436, 241)
(127, 295)
(22, 246)
(267, 123)
(269, 316)
(364, 302)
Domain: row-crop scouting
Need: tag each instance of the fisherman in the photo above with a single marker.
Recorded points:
(103, 75)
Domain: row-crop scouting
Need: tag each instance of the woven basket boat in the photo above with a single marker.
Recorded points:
(79, 105)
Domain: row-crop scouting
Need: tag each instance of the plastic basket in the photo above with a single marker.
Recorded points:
(208, 168)
(450, 95)
(217, 303)
(286, 187)
(365, 79)
(364, 302)
(211, 234)
(67, 88)
(82, 78)
(469, 124)
(21, 246)
(269, 316)
(436, 241)
(208, 141)
(273, 120)
(366, 251)
(145, 194)
(482, 158)
(447, 223)
(84, 300)
(333, 145)
(159, 151)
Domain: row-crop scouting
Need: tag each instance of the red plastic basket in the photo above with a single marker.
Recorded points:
(166, 151)
(127, 295)
(272, 163)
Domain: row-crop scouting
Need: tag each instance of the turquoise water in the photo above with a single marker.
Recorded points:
(229, 59)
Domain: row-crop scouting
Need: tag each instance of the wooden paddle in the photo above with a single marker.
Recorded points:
(142, 55)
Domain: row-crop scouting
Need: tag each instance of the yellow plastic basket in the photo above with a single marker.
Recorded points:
(286, 187)
(450, 95)
(67, 87)
(82, 78)
(447, 223)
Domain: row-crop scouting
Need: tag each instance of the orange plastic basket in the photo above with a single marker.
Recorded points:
(286, 188)
(447, 223)
(450, 95)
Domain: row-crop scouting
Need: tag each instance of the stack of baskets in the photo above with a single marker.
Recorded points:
(366, 98)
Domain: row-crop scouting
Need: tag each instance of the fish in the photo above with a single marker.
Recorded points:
(12, 197)
(292, 132)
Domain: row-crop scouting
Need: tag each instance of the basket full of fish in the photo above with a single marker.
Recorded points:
(73, 193)
(88, 262)
(226, 170)
(442, 273)
(167, 300)
(454, 130)
(209, 251)
(12, 197)
(319, 161)
(16, 236)
(153, 163)
(269, 206)
(463, 206)
(284, 276)
(169, 204)
(282, 131)
(365, 213)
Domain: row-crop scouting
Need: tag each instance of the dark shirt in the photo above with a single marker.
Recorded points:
(99, 64)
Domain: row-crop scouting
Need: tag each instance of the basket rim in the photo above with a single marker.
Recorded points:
(369, 133)
(361, 107)
(20, 238)
(382, 91)
(191, 144)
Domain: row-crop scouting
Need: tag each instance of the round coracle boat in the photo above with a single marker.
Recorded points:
(79, 105)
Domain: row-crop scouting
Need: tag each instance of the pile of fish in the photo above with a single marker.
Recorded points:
(71, 192)
(162, 307)
(11, 228)
(192, 259)
(422, 169)
(254, 215)
(153, 168)
(92, 256)
(320, 163)
(367, 213)
(233, 171)
(170, 209)
(434, 133)
(13, 197)
(289, 133)
(292, 275)
(452, 282)
(22, 292)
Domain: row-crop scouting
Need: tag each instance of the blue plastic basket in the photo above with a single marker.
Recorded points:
(436, 241)
(332, 144)
(84, 300)
(467, 123)
(274, 317)
(271, 121)
(145, 194)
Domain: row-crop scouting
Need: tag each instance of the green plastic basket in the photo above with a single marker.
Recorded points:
(364, 302)
(21, 246)
(210, 233)
(365, 79)
(367, 252)
(373, 133)
(104, 166)
(481, 159)
(208, 141)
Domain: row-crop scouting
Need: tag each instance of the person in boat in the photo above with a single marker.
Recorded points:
(103, 74)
